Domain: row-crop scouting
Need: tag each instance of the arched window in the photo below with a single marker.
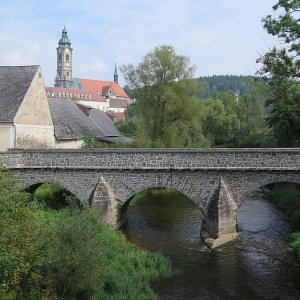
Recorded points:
(67, 57)
(59, 57)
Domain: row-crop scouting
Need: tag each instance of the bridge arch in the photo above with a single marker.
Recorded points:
(71, 183)
(178, 189)
(125, 204)
(266, 180)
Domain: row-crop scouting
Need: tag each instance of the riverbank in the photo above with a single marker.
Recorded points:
(286, 197)
(68, 253)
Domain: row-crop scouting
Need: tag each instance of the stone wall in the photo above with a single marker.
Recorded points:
(156, 159)
(216, 180)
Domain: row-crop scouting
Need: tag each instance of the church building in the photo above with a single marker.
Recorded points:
(100, 94)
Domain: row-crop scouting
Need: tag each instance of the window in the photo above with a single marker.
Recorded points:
(67, 57)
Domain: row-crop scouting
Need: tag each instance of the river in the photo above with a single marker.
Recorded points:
(258, 266)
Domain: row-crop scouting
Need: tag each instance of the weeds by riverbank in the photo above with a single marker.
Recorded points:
(287, 199)
(68, 253)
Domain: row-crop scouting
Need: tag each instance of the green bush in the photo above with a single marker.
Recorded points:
(68, 253)
(53, 196)
(295, 242)
(287, 198)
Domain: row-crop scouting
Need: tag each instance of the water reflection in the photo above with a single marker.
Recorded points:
(258, 266)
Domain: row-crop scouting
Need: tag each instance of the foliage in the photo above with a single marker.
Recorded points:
(149, 192)
(20, 247)
(68, 254)
(280, 70)
(166, 101)
(225, 83)
(287, 198)
(88, 259)
(91, 142)
(295, 243)
(221, 121)
(53, 196)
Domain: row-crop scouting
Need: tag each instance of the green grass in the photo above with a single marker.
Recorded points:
(68, 252)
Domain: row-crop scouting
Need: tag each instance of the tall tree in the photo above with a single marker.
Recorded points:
(280, 69)
(166, 92)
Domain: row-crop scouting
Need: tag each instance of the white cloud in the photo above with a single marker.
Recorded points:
(220, 36)
(97, 65)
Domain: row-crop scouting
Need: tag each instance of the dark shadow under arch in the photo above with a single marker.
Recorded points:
(259, 185)
(151, 191)
(52, 195)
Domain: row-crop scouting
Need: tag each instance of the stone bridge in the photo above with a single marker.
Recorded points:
(216, 180)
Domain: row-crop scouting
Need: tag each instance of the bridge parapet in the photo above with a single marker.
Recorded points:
(154, 159)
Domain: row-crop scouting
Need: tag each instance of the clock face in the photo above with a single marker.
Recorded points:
(67, 50)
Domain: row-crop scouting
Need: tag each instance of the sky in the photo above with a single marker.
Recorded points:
(219, 36)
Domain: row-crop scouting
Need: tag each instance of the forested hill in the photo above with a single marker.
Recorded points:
(226, 83)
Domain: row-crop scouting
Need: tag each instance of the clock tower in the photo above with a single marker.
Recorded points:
(64, 61)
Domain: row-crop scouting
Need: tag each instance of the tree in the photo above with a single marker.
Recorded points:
(221, 121)
(280, 70)
(166, 92)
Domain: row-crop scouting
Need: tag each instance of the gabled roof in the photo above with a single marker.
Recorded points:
(73, 121)
(116, 116)
(102, 86)
(119, 103)
(14, 83)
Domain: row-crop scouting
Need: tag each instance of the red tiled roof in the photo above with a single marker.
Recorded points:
(85, 95)
(118, 116)
(102, 87)
(119, 102)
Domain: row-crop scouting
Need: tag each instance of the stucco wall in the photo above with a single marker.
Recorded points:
(34, 128)
(7, 136)
(71, 144)
(34, 136)
(95, 104)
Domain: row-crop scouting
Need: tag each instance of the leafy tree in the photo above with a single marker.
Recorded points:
(225, 83)
(165, 91)
(221, 121)
(20, 248)
(280, 70)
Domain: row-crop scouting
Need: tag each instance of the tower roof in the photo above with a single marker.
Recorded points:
(64, 41)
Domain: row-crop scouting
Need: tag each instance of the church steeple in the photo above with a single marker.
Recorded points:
(116, 74)
(64, 61)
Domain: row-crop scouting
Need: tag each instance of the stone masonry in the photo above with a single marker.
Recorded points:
(217, 180)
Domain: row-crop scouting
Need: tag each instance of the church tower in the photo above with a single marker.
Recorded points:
(116, 74)
(64, 61)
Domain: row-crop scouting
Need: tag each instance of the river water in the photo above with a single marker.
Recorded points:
(258, 266)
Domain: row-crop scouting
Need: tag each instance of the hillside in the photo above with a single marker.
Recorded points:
(226, 83)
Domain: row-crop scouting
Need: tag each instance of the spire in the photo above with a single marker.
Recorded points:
(116, 74)
(64, 61)
(64, 41)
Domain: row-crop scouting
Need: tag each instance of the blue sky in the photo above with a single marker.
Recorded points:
(219, 36)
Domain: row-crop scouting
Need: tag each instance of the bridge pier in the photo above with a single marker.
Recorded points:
(219, 226)
(104, 200)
